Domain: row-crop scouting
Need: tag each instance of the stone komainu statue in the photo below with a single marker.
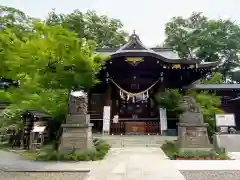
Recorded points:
(190, 104)
(192, 113)
(78, 102)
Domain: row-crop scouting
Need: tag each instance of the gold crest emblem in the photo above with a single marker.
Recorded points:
(134, 61)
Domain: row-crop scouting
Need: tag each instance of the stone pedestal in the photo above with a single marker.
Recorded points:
(77, 134)
(192, 137)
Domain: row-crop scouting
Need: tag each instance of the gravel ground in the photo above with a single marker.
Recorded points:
(211, 175)
(42, 175)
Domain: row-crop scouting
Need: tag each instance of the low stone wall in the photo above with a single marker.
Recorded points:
(231, 142)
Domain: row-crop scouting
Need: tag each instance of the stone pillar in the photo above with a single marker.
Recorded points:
(77, 132)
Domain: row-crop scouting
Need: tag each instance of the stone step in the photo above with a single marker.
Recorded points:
(136, 141)
(134, 145)
(136, 137)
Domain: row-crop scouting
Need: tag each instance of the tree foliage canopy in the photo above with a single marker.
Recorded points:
(19, 23)
(171, 100)
(206, 39)
(49, 62)
(216, 78)
(104, 31)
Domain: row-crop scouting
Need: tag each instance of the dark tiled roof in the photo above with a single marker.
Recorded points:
(164, 52)
(38, 114)
(135, 46)
(6, 83)
(235, 99)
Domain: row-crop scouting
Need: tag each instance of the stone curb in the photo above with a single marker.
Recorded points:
(44, 170)
(207, 165)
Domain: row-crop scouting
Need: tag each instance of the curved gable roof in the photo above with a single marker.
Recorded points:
(135, 46)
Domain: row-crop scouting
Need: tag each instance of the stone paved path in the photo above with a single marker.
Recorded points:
(128, 164)
(135, 164)
(120, 164)
(13, 162)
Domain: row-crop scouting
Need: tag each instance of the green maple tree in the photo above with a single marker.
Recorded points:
(40, 62)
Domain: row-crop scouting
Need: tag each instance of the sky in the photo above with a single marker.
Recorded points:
(146, 17)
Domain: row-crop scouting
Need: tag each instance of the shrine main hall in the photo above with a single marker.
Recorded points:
(129, 82)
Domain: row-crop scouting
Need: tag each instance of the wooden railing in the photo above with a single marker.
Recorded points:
(146, 127)
(150, 126)
(117, 128)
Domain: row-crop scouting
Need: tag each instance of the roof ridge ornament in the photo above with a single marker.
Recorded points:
(134, 38)
(134, 43)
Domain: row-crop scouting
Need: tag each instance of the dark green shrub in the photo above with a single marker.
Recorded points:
(172, 151)
(98, 153)
(171, 100)
(47, 153)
